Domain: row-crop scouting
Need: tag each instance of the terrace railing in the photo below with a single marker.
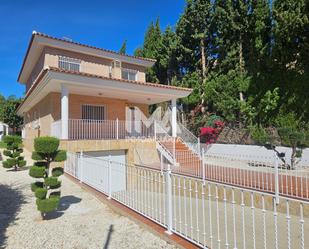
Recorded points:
(86, 129)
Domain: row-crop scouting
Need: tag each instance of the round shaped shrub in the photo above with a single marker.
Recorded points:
(36, 156)
(41, 193)
(6, 165)
(22, 163)
(52, 182)
(47, 205)
(58, 171)
(11, 161)
(60, 156)
(46, 145)
(12, 140)
(7, 153)
(37, 172)
(36, 185)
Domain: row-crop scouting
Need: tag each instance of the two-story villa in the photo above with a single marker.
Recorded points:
(92, 99)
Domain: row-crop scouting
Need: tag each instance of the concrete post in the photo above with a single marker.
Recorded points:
(109, 178)
(174, 118)
(81, 166)
(276, 178)
(64, 112)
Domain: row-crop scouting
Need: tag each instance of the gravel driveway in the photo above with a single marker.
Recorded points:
(82, 221)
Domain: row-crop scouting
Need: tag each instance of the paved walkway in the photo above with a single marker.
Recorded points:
(82, 221)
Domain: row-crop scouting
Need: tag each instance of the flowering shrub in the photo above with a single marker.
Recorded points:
(210, 134)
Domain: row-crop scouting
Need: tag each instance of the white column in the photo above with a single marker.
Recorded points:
(174, 118)
(64, 112)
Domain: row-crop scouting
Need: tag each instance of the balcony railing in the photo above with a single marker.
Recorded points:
(82, 129)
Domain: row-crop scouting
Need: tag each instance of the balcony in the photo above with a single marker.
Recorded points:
(86, 129)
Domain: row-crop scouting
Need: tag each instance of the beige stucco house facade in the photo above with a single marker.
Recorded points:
(91, 98)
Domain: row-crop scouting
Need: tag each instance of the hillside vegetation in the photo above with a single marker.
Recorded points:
(247, 62)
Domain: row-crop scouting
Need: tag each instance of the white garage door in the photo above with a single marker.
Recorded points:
(95, 170)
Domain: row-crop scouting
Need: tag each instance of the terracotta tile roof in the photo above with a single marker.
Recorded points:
(85, 45)
(54, 69)
(122, 80)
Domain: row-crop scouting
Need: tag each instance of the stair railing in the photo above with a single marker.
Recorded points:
(189, 139)
(162, 134)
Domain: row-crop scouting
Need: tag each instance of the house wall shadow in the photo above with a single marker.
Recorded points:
(10, 202)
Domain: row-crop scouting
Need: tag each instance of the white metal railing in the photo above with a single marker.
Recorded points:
(56, 129)
(189, 138)
(258, 173)
(261, 175)
(80, 129)
(209, 214)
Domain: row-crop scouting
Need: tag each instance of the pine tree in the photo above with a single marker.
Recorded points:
(123, 49)
(151, 49)
(195, 40)
(290, 54)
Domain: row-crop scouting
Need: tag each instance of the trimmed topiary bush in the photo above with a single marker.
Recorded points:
(41, 193)
(7, 153)
(52, 182)
(13, 151)
(46, 152)
(47, 205)
(37, 172)
(58, 171)
(36, 185)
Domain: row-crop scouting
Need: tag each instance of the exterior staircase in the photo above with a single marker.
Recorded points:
(184, 157)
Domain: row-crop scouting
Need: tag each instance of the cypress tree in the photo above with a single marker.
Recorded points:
(123, 48)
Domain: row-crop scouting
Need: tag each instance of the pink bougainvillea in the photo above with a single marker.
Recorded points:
(210, 134)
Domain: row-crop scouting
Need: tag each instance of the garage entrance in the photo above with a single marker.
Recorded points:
(95, 170)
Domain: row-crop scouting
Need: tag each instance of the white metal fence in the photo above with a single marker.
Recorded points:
(211, 215)
(267, 174)
(81, 129)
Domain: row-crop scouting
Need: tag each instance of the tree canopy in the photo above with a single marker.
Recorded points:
(8, 113)
(247, 61)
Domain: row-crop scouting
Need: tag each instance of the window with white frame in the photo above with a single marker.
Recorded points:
(93, 112)
(128, 74)
(69, 64)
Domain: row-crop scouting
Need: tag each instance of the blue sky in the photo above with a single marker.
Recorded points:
(103, 23)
